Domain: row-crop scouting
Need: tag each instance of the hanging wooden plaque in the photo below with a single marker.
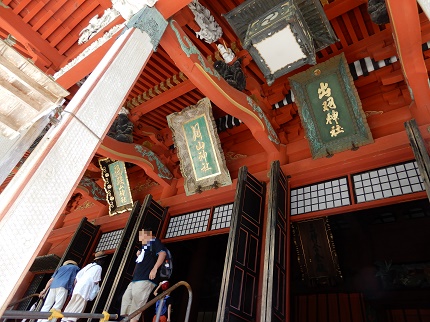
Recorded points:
(118, 194)
(330, 108)
(201, 157)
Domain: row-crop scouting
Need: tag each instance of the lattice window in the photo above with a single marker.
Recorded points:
(32, 289)
(320, 196)
(222, 216)
(191, 223)
(388, 182)
(109, 240)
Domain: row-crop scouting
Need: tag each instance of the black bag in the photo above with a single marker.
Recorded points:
(167, 267)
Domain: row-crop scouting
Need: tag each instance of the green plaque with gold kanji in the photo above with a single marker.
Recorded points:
(200, 154)
(118, 194)
(330, 108)
(201, 148)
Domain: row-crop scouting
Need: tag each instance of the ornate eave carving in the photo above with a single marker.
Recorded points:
(210, 30)
(96, 24)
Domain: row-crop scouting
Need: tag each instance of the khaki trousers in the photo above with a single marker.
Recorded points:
(76, 305)
(54, 300)
(135, 296)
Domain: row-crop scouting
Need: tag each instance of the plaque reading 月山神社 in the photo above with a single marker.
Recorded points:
(201, 157)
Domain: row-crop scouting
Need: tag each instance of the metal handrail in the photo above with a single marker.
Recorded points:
(11, 314)
(162, 295)
(23, 299)
(32, 315)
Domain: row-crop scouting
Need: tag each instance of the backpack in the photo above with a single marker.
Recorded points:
(167, 267)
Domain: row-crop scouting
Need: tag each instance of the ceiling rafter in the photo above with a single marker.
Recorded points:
(51, 11)
(167, 96)
(164, 62)
(21, 6)
(335, 9)
(71, 27)
(188, 100)
(143, 83)
(28, 37)
(70, 42)
(33, 9)
(361, 23)
(168, 61)
(150, 73)
(154, 91)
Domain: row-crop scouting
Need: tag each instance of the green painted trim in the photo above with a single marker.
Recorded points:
(151, 21)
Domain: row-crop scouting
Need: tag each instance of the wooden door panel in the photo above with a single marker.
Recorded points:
(121, 268)
(239, 290)
(419, 149)
(108, 286)
(79, 247)
(81, 243)
(275, 279)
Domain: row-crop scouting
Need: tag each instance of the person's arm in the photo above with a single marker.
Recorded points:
(169, 309)
(98, 275)
(43, 292)
(160, 260)
(156, 290)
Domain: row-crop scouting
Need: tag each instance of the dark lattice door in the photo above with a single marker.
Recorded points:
(81, 243)
(274, 284)
(419, 149)
(79, 247)
(239, 289)
(36, 285)
(120, 271)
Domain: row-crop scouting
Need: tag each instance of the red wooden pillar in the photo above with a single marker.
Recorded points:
(406, 26)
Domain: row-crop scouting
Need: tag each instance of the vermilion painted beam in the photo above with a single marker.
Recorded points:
(162, 99)
(105, 3)
(406, 27)
(166, 7)
(126, 152)
(30, 38)
(192, 63)
(86, 66)
(361, 206)
(333, 10)
(385, 150)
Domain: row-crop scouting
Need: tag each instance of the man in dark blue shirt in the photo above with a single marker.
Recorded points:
(145, 276)
(60, 285)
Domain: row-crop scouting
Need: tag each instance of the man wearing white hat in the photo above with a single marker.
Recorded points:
(87, 280)
(59, 286)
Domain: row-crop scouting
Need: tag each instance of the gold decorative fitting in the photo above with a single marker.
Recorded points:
(55, 314)
(106, 316)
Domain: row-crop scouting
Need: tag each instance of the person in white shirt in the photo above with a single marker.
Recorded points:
(86, 279)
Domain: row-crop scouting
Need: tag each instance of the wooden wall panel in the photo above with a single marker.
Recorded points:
(330, 307)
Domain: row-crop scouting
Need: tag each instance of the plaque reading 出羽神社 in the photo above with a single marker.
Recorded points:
(330, 108)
